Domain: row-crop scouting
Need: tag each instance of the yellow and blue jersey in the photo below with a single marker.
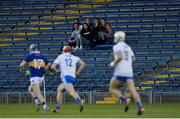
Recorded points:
(37, 63)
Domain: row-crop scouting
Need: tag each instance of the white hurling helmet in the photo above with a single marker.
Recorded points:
(119, 36)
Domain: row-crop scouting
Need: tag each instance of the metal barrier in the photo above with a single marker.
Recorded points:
(90, 97)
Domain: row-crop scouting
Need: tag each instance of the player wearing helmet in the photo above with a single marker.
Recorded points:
(37, 64)
(123, 71)
(67, 66)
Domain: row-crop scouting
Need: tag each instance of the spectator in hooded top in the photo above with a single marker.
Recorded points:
(90, 25)
(106, 33)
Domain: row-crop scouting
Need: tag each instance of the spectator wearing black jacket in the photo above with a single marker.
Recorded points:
(89, 23)
(97, 29)
(87, 36)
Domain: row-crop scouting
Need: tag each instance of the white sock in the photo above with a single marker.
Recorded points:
(44, 106)
(36, 100)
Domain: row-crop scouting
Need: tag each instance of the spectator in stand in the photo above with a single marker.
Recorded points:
(97, 29)
(90, 25)
(106, 33)
(76, 21)
(76, 37)
(87, 36)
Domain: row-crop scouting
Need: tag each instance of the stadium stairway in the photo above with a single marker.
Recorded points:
(112, 100)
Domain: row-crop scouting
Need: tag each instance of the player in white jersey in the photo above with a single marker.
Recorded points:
(67, 66)
(123, 72)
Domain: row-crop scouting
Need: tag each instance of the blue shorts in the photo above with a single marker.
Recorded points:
(122, 78)
(68, 79)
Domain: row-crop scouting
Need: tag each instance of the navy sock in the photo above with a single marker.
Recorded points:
(58, 105)
(43, 103)
(78, 101)
(123, 99)
(138, 105)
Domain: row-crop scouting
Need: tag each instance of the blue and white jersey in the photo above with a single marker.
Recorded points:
(67, 64)
(37, 63)
(124, 67)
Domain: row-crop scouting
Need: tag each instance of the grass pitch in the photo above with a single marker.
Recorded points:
(90, 111)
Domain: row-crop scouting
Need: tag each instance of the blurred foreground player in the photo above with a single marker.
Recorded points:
(67, 66)
(37, 64)
(123, 72)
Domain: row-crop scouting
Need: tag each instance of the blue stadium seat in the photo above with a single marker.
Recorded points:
(152, 31)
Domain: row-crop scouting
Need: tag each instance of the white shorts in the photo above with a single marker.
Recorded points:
(36, 80)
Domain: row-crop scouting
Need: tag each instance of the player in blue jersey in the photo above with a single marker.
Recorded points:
(37, 64)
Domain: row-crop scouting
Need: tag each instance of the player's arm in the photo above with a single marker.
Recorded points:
(48, 65)
(55, 64)
(53, 67)
(22, 64)
(132, 55)
(117, 58)
(133, 58)
(81, 67)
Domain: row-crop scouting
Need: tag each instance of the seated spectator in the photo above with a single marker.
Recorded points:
(90, 25)
(107, 33)
(76, 21)
(87, 36)
(72, 42)
(97, 29)
(76, 37)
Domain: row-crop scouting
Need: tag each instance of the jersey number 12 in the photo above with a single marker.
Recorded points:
(68, 62)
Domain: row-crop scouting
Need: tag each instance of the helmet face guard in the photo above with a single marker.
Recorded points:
(33, 47)
(67, 49)
(119, 36)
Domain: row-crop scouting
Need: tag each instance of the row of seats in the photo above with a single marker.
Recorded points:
(153, 34)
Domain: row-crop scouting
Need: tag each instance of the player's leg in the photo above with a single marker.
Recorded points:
(130, 85)
(77, 43)
(59, 98)
(36, 100)
(35, 85)
(37, 93)
(80, 42)
(68, 82)
(60, 95)
(30, 90)
(70, 88)
(114, 89)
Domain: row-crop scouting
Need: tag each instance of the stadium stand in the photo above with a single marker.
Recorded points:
(152, 31)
